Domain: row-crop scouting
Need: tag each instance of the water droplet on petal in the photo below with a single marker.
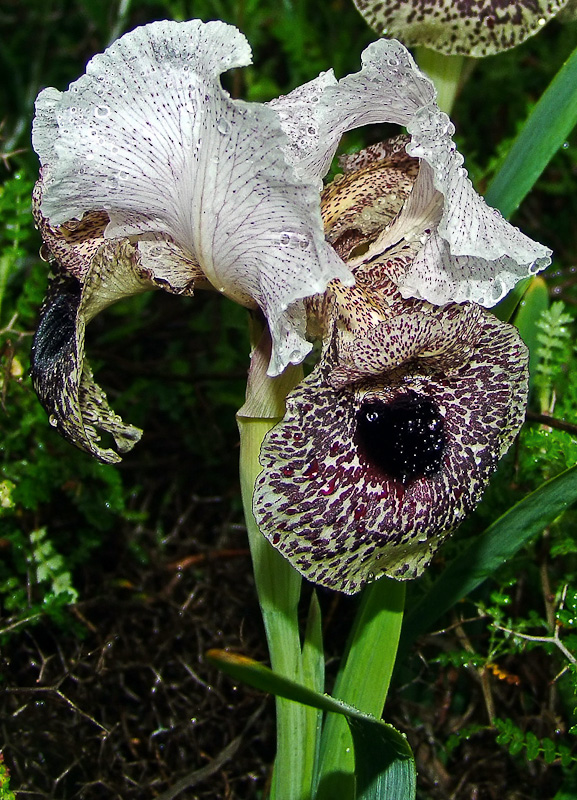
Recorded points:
(53, 420)
(101, 112)
(312, 470)
(330, 487)
(223, 126)
(285, 238)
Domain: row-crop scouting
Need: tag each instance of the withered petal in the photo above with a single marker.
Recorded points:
(76, 405)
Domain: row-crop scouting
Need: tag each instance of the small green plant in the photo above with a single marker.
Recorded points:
(527, 743)
(554, 351)
(5, 792)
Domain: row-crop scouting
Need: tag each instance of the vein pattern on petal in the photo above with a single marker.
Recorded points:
(149, 136)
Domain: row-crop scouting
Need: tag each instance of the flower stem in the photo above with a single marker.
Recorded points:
(445, 72)
(278, 585)
(363, 681)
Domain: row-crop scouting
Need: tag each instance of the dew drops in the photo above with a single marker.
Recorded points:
(393, 62)
(330, 487)
(53, 420)
(312, 470)
(101, 112)
(223, 126)
(285, 238)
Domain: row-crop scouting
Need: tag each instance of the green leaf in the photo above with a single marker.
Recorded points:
(534, 302)
(545, 131)
(363, 679)
(313, 672)
(384, 764)
(492, 548)
(313, 657)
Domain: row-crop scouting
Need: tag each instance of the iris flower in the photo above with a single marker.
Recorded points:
(154, 177)
(391, 440)
(478, 28)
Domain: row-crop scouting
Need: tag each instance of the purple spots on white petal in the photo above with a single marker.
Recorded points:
(472, 28)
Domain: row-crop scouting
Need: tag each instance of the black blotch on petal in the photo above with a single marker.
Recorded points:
(56, 333)
(405, 438)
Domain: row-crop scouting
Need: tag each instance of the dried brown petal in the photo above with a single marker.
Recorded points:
(76, 405)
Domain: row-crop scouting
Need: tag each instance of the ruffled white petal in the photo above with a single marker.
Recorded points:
(467, 251)
(150, 136)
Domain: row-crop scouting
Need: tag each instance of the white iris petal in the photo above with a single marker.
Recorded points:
(150, 136)
(468, 251)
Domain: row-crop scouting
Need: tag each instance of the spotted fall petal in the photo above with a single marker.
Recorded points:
(465, 249)
(368, 478)
(472, 28)
(391, 440)
(149, 136)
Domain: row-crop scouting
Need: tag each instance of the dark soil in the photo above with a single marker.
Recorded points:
(130, 709)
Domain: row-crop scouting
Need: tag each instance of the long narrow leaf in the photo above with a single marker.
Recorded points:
(363, 680)
(547, 127)
(491, 549)
(313, 665)
(534, 303)
(384, 764)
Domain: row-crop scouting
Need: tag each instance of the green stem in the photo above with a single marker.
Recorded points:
(5, 265)
(278, 585)
(445, 72)
(363, 681)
